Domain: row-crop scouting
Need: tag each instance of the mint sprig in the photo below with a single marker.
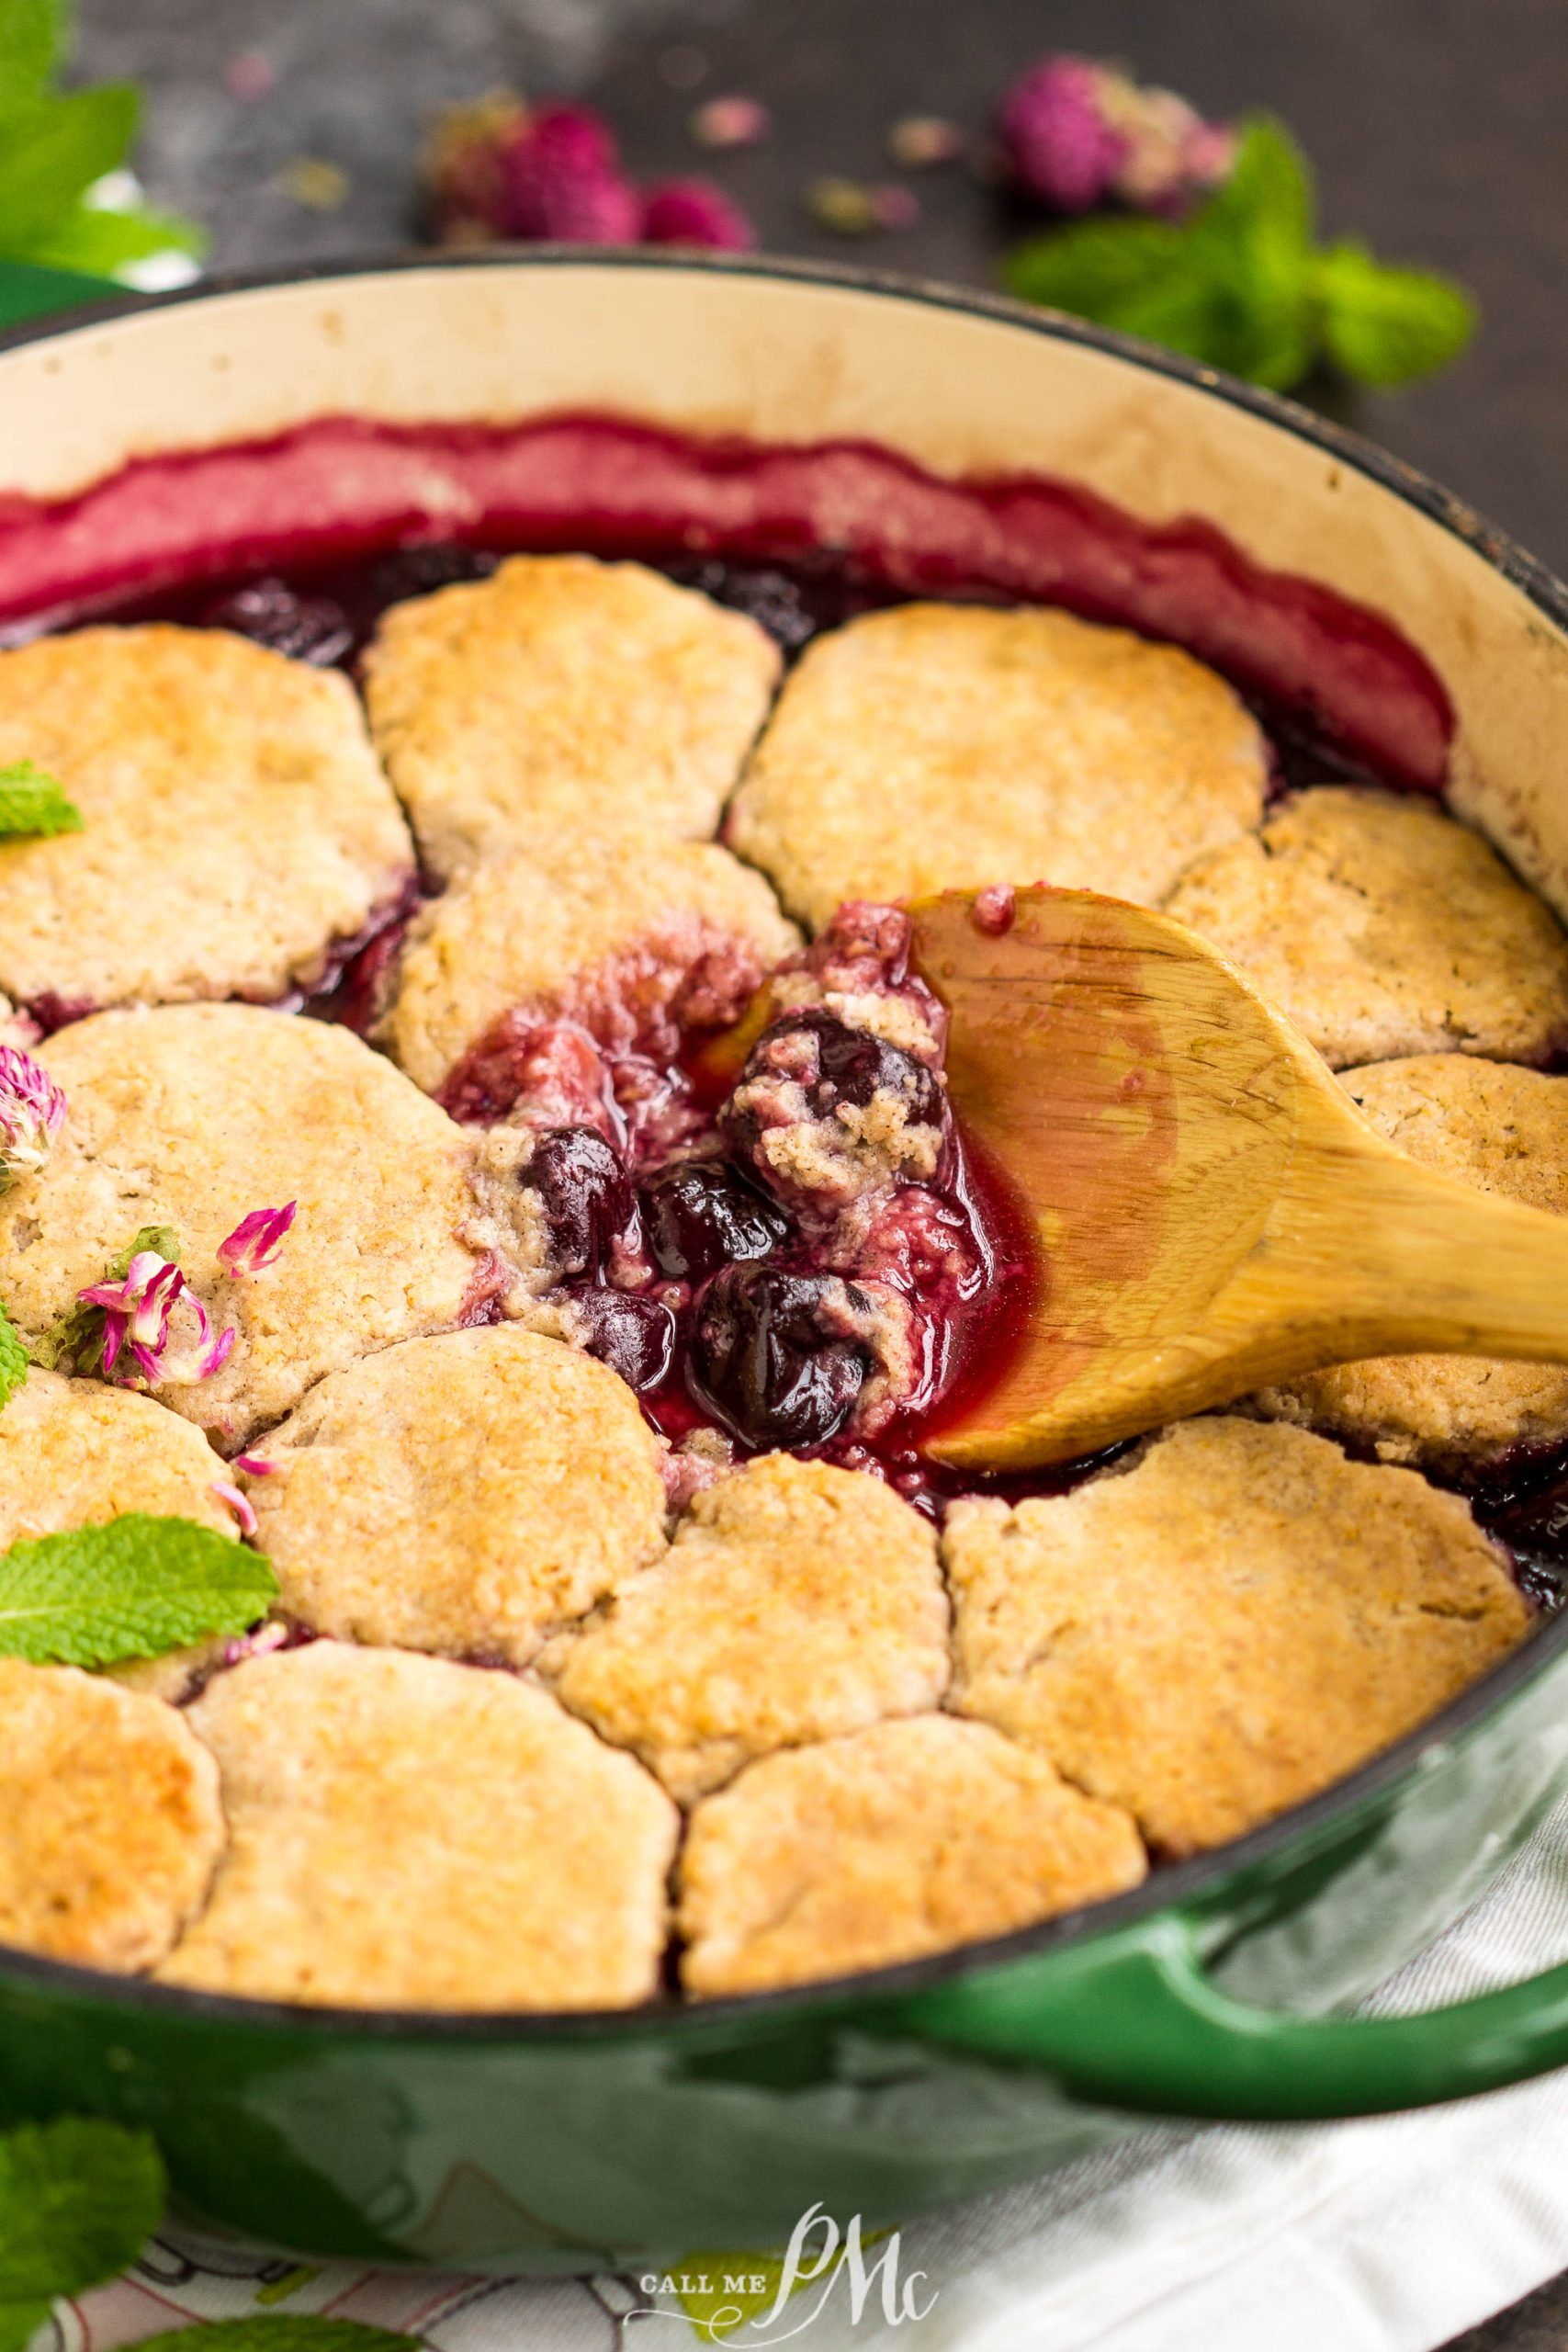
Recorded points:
(78, 2201)
(75, 1343)
(1243, 284)
(33, 802)
(137, 1588)
(54, 146)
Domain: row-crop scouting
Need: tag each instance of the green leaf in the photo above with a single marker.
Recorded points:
(32, 802)
(54, 151)
(135, 1589)
(34, 35)
(1387, 326)
(1095, 269)
(278, 2332)
(1268, 191)
(13, 1360)
(1239, 285)
(78, 2201)
(99, 243)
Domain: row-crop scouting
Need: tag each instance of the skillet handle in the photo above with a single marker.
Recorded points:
(1132, 2020)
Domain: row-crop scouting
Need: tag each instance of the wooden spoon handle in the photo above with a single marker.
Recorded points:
(1395, 1258)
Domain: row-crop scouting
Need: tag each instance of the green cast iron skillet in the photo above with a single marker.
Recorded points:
(1217, 1989)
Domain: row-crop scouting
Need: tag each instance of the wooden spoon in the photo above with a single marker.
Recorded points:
(1212, 1211)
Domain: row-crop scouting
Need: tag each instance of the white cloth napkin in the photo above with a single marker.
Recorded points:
(1389, 2235)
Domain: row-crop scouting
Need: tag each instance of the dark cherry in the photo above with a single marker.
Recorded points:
(308, 628)
(765, 1363)
(635, 1336)
(585, 1195)
(435, 563)
(700, 1215)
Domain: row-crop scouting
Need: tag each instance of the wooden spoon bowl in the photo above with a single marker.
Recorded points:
(1212, 1212)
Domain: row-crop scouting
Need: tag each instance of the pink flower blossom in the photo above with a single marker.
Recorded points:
(695, 213)
(1076, 134)
(1057, 138)
(255, 1243)
(238, 1503)
(140, 1325)
(32, 1109)
(561, 178)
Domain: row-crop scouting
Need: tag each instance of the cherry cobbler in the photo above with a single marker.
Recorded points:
(473, 1133)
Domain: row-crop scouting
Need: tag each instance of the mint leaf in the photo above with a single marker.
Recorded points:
(99, 242)
(78, 2200)
(54, 149)
(13, 1360)
(1384, 325)
(1095, 267)
(76, 1341)
(135, 1589)
(1240, 285)
(33, 802)
(279, 2332)
(32, 36)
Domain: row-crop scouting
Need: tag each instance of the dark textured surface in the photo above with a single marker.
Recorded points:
(1436, 126)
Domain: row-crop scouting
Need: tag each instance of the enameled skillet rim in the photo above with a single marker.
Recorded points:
(1170, 1883)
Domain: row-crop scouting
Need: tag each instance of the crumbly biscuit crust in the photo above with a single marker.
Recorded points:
(798, 1600)
(1383, 927)
(1505, 1130)
(940, 747)
(469, 1494)
(110, 1826)
(1235, 1620)
(236, 822)
(78, 1453)
(898, 1840)
(561, 694)
(405, 1832)
(192, 1117)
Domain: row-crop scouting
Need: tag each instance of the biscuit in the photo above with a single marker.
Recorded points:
(1235, 1620)
(1383, 927)
(635, 937)
(78, 1453)
(904, 1838)
(560, 695)
(798, 1600)
(232, 791)
(409, 1833)
(469, 1494)
(109, 1820)
(1505, 1130)
(193, 1115)
(941, 747)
